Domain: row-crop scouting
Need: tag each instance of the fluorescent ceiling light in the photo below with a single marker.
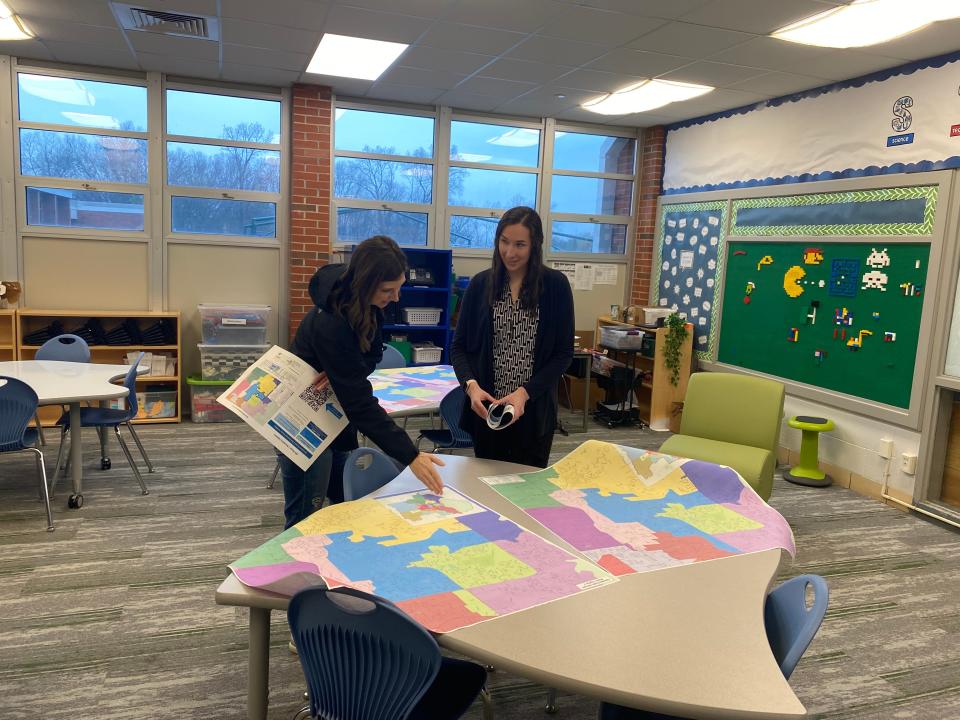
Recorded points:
(92, 120)
(11, 26)
(647, 95)
(867, 22)
(353, 57)
(517, 137)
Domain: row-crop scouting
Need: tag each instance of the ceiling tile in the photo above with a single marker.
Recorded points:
(266, 58)
(374, 25)
(459, 62)
(578, 114)
(544, 102)
(650, 8)
(600, 26)
(67, 31)
(521, 70)
(539, 48)
(405, 93)
(184, 67)
(92, 55)
(771, 54)
(843, 65)
(495, 87)
(754, 16)
(468, 38)
(936, 39)
(33, 49)
(597, 82)
(255, 75)
(187, 7)
(174, 46)
(636, 62)
(417, 8)
(777, 84)
(468, 101)
(696, 41)
(419, 77)
(717, 101)
(256, 34)
(713, 74)
(643, 120)
(304, 14)
(342, 87)
(90, 12)
(525, 16)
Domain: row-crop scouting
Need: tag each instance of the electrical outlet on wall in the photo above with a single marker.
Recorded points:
(886, 448)
(908, 463)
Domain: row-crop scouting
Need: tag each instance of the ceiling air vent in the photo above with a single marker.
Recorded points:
(162, 22)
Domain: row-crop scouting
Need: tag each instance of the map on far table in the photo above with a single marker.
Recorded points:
(445, 560)
(632, 510)
(412, 388)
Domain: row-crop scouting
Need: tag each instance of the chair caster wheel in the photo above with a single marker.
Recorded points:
(75, 502)
(104, 463)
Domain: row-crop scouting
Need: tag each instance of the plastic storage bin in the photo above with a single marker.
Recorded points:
(227, 362)
(426, 353)
(155, 404)
(204, 407)
(621, 339)
(234, 324)
(422, 315)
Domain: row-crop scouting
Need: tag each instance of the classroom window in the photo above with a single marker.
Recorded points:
(383, 176)
(593, 153)
(45, 153)
(60, 207)
(223, 117)
(216, 166)
(587, 237)
(494, 144)
(471, 187)
(472, 232)
(591, 196)
(213, 216)
(83, 103)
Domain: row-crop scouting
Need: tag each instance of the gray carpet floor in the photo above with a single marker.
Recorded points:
(112, 616)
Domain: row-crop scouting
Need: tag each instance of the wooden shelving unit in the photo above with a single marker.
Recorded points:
(655, 397)
(29, 320)
(8, 334)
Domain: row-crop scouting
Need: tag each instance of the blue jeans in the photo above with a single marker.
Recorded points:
(305, 490)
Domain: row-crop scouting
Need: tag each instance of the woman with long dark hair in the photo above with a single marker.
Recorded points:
(341, 339)
(514, 340)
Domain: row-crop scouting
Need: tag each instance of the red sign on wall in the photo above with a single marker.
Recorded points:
(955, 131)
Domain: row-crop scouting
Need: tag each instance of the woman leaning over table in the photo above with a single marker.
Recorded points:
(514, 340)
(341, 338)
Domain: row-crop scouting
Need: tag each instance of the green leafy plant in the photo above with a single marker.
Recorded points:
(673, 346)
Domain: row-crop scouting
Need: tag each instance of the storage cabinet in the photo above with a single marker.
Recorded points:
(8, 334)
(423, 313)
(147, 326)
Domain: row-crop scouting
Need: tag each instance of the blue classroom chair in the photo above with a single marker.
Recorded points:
(392, 358)
(791, 627)
(364, 658)
(453, 436)
(65, 348)
(18, 404)
(366, 470)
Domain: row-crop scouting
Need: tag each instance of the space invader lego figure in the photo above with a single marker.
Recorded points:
(878, 259)
(875, 280)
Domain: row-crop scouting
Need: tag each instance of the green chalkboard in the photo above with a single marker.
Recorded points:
(799, 310)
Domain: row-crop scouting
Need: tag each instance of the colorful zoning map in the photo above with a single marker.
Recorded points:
(632, 510)
(258, 394)
(445, 560)
(406, 390)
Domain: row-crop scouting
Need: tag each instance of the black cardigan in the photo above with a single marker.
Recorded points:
(328, 343)
(473, 347)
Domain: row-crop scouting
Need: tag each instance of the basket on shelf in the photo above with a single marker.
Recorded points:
(422, 315)
(621, 339)
(426, 353)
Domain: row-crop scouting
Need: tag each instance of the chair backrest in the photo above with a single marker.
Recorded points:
(392, 358)
(366, 470)
(362, 656)
(790, 624)
(68, 348)
(451, 409)
(732, 408)
(18, 403)
(130, 383)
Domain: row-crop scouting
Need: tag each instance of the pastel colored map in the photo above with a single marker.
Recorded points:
(259, 394)
(446, 561)
(633, 510)
(413, 388)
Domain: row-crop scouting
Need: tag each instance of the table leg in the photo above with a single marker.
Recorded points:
(586, 393)
(104, 436)
(259, 664)
(76, 449)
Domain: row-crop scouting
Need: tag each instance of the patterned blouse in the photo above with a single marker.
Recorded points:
(514, 337)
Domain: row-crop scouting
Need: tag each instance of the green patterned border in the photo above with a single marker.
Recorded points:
(720, 205)
(929, 192)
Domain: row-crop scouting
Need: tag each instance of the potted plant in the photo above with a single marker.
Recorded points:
(673, 347)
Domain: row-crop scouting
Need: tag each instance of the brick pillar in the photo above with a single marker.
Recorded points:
(651, 184)
(309, 194)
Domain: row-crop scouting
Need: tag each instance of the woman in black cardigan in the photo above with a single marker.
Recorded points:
(514, 340)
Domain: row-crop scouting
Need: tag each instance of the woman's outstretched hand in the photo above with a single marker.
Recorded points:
(423, 467)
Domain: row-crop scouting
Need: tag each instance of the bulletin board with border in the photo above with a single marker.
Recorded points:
(830, 289)
(688, 263)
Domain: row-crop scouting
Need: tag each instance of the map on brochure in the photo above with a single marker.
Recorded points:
(276, 397)
(632, 510)
(446, 560)
(410, 389)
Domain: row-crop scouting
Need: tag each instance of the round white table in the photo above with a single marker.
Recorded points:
(69, 383)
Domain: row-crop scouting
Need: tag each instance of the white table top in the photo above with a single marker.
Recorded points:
(687, 640)
(59, 383)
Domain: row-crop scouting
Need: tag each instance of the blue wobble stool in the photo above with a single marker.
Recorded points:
(366, 470)
(365, 658)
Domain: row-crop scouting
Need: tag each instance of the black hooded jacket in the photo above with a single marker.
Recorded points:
(328, 343)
